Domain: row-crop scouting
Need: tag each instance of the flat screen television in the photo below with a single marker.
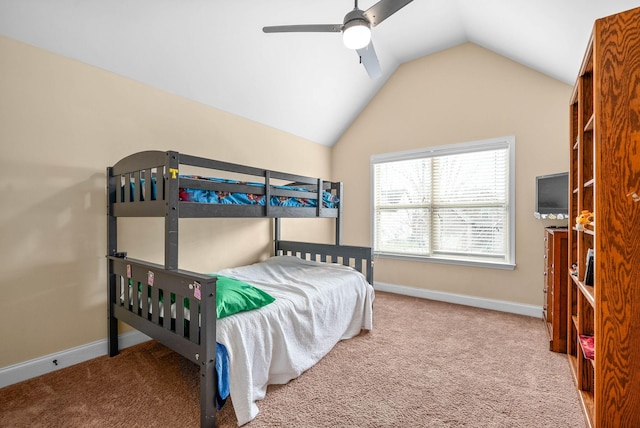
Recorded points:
(552, 196)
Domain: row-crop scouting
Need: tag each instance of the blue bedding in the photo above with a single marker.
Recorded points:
(218, 197)
(329, 200)
(222, 373)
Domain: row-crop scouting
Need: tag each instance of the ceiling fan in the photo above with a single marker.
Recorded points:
(356, 30)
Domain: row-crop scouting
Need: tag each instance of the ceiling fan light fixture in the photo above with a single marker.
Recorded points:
(356, 34)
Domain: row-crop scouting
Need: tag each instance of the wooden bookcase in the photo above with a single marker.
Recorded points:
(554, 310)
(605, 175)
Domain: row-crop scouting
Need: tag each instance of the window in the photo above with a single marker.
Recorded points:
(452, 203)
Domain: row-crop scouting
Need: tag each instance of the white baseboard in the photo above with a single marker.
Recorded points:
(59, 360)
(461, 299)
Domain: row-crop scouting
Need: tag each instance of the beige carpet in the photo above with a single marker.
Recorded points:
(426, 364)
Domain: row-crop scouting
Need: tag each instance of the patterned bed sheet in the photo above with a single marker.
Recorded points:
(329, 200)
(219, 197)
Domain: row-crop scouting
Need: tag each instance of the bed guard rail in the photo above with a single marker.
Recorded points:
(145, 183)
(176, 307)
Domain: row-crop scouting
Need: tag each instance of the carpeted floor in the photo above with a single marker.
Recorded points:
(425, 364)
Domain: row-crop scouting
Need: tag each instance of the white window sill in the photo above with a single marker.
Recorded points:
(442, 260)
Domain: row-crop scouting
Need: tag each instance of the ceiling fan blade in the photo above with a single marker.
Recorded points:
(384, 9)
(369, 59)
(312, 28)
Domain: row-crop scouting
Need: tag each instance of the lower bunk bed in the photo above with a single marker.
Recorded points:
(260, 324)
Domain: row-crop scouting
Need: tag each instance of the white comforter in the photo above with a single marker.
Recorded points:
(317, 304)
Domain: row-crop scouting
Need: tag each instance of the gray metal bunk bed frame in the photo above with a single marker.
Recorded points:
(129, 194)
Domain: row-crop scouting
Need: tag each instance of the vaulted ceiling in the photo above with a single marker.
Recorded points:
(307, 84)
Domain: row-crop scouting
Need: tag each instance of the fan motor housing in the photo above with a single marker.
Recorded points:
(353, 17)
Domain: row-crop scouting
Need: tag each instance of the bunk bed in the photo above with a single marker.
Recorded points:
(164, 301)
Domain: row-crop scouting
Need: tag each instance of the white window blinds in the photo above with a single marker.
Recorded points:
(451, 202)
(403, 206)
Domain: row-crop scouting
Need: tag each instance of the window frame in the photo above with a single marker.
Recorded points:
(508, 143)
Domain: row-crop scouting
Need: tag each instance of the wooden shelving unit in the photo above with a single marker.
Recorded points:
(604, 172)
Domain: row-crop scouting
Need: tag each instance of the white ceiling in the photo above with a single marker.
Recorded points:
(307, 84)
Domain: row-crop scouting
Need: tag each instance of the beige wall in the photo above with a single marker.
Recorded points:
(466, 93)
(61, 124)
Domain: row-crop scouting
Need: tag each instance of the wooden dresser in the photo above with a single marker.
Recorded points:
(556, 276)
